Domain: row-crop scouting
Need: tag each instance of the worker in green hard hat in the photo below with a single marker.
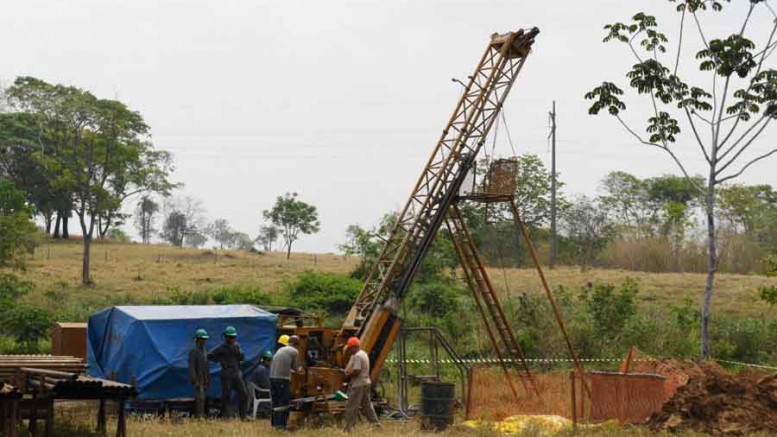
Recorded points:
(229, 355)
(199, 374)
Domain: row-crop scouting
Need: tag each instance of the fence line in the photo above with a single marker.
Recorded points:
(487, 360)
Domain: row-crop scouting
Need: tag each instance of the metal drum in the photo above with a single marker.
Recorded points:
(437, 400)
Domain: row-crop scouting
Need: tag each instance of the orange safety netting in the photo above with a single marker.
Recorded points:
(627, 398)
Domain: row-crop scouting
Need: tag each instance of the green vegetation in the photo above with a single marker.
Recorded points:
(293, 217)
(17, 231)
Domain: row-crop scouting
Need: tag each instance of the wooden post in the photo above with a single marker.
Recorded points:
(49, 417)
(33, 425)
(15, 417)
(3, 416)
(573, 382)
(121, 427)
(101, 427)
(468, 401)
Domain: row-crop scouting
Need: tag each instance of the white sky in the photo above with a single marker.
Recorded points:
(341, 101)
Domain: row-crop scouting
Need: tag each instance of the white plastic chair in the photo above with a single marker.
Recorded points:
(259, 396)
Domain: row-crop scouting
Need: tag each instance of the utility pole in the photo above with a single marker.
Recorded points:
(553, 239)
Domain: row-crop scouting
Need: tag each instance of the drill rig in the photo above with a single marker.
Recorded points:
(432, 204)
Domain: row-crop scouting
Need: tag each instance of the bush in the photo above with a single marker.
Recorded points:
(434, 299)
(332, 293)
(26, 324)
(238, 295)
(12, 288)
(611, 308)
(175, 296)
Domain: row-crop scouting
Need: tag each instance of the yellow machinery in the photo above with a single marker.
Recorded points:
(432, 204)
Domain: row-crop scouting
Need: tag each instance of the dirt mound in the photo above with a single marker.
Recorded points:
(718, 402)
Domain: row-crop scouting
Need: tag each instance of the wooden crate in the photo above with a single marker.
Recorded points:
(69, 339)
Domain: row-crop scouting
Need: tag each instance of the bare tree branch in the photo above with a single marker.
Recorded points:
(701, 32)
(680, 42)
(742, 138)
(664, 148)
(742, 170)
(700, 117)
(698, 138)
(631, 46)
(743, 148)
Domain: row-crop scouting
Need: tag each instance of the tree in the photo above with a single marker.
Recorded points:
(293, 217)
(175, 228)
(194, 239)
(625, 198)
(97, 154)
(588, 228)
(268, 234)
(752, 209)
(222, 232)
(532, 192)
(145, 211)
(241, 241)
(183, 217)
(724, 120)
(17, 232)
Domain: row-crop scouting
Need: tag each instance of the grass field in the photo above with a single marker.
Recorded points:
(126, 273)
(411, 428)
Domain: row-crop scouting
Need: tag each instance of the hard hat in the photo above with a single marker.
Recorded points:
(267, 355)
(230, 331)
(201, 333)
(353, 341)
(284, 340)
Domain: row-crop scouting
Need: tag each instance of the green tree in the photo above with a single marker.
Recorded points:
(145, 211)
(96, 153)
(183, 218)
(268, 234)
(751, 209)
(588, 228)
(17, 232)
(724, 120)
(222, 232)
(625, 198)
(294, 218)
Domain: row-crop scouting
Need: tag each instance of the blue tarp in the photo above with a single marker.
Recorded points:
(151, 343)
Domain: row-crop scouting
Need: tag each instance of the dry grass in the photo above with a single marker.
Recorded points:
(735, 295)
(140, 272)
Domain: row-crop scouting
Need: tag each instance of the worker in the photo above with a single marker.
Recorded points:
(357, 373)
(229, 355)
(284, 363)
(199, 374)
(260, 377)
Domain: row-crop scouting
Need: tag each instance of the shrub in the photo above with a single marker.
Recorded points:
(328, 292)
(238, 295)
(175, 296)
(611, 308)
(434, 299)
(12, 288)
(26, 324)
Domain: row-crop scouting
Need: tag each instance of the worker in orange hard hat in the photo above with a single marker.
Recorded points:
(357, 372)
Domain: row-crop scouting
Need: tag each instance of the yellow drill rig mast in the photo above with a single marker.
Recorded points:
(373, 317)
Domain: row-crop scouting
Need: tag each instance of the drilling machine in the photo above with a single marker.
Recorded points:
(374, 316)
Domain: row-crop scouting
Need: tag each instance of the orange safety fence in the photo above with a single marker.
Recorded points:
(627, 398)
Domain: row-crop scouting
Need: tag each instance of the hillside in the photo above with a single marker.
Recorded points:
(128, 273)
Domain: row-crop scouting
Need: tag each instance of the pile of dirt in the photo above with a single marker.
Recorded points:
(719, 402)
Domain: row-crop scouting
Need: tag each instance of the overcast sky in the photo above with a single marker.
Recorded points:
(341, 101)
